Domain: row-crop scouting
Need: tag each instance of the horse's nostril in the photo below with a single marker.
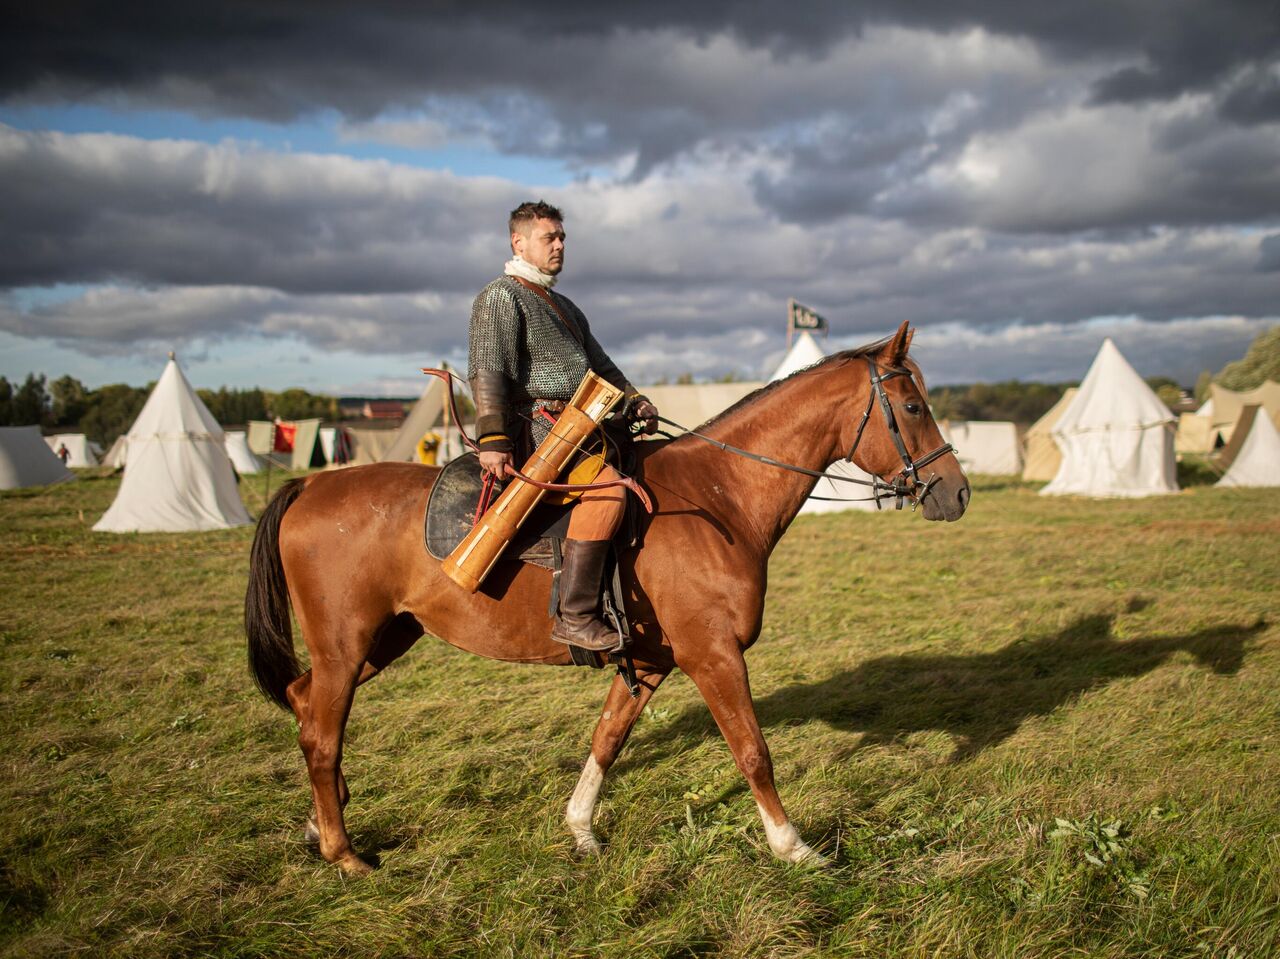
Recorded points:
(964, 497)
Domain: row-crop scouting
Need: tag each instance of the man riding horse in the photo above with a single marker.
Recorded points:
(529, 349)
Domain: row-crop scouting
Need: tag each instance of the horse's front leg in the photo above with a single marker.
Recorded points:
(721, 677)
(616, 722)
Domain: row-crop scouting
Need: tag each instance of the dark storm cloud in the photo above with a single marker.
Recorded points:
(280, 60)
(864, 107)
(1269, 254)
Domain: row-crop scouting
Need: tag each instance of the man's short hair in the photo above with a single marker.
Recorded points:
(523, 216)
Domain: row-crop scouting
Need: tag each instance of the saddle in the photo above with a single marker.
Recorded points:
(452, 511)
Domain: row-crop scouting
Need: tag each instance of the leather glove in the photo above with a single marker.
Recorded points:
(641, 410)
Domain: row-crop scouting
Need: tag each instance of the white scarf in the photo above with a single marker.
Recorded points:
(527, 271)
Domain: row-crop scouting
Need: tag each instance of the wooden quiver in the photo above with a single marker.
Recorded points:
(474, 557)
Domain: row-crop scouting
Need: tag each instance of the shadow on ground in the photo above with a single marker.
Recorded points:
(980, 699)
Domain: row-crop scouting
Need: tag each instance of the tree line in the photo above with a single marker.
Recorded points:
(104, 413)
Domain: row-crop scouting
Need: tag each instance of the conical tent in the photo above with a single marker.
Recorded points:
(1043, 458)
(1116, 436)
(828, 496)
(25, 460)
(1258, 462)
(177, 475)
(115, 456)
(805, 351)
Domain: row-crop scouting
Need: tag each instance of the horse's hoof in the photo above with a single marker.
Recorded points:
(311, 832)
(807, 857)
(353, 865)
(587, 848)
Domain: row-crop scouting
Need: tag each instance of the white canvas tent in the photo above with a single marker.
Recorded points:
(805, 351)
(829, 496)
(1196, 434)
(1042, 454)
(1225, 406)
(985, 446)
(242, 457)
(116, 454)
(25, 460)
(1116, 436)
(177, 475)
(328, 437)
(369, 445)
(83, 451)
(692, 404)
(1258, 461)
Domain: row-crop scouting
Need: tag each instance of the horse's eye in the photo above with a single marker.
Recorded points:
(912, 408)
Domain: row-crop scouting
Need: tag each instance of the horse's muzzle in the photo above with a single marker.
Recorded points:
(945, 498)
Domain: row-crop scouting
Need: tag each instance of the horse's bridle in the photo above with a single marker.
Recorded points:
(910, 466)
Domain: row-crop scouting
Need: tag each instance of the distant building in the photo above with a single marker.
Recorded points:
(383, 410)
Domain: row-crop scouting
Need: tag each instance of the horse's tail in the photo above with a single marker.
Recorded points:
(266, 603)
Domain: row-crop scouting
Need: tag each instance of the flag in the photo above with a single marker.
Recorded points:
(800, 317)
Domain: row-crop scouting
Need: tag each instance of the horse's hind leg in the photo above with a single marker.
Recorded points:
(332, 689)
(392, 643)
(616, 722)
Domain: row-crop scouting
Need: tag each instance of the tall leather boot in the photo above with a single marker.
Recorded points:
(577, 623)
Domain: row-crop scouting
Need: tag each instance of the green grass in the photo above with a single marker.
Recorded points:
(1047, 730)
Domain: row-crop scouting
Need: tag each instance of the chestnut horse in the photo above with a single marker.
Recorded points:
(346, 549)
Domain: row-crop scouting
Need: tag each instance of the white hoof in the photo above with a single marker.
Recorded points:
(806, 855)
(787, 844)
(582, 808)
(585, 843)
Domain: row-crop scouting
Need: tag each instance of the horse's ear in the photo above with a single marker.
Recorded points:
(895, 351)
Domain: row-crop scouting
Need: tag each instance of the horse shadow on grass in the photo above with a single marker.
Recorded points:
(979, 699)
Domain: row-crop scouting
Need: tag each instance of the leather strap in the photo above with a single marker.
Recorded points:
(625, 481)
(572, 327)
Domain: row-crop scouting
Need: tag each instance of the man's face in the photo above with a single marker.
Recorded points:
(543, 246)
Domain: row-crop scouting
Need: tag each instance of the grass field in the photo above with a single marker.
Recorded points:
(1049, 729)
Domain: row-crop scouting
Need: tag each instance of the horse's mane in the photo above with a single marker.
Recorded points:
(844, 356)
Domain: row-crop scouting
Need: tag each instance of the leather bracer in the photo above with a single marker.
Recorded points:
(489, 390)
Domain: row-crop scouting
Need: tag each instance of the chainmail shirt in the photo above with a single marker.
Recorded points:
(516, 333)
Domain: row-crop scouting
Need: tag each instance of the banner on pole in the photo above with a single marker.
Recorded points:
(800, 317)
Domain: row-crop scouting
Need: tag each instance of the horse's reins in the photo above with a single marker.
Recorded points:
(910, 466)
(898, 489)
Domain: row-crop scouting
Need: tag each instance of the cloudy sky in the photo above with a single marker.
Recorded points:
(311, 194)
